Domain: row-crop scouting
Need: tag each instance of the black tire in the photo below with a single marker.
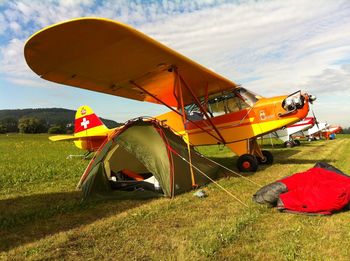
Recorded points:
(288, 144)
(247, 163)
(268, 158)
(296, 142)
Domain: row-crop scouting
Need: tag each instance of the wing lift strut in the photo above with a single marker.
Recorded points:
(178, 84)
(180, 110)
(178, 87)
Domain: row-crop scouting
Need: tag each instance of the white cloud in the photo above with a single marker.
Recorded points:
(74, 3)
(14, 26)
(282, 49)
(12, 60)
(331, 81)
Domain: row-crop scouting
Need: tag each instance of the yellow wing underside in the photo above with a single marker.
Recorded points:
(109, 57)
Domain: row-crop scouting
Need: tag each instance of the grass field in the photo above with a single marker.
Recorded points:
(41, 215)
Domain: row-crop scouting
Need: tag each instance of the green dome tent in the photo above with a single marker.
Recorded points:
(144, 146)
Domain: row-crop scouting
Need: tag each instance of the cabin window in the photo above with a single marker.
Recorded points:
(248, 96)
(217, 106)
(224, 103)
(227, 103)
(193, 112)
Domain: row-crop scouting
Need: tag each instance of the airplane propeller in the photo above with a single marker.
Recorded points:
(316, 121)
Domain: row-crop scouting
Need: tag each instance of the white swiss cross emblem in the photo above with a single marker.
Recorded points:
(85, 123)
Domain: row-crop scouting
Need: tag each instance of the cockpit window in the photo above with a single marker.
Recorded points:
(249, 97)
(194, 112)
(224, 103)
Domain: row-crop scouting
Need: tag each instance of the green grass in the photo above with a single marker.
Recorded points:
(42, 217)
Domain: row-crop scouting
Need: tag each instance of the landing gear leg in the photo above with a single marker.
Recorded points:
(267, 159)
(296, 142)
(251, 155)
(263, 156)
(288, 144)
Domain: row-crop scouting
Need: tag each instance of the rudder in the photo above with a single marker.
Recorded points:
(87, 122)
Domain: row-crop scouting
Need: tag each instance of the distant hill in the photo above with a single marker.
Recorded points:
(52, 116)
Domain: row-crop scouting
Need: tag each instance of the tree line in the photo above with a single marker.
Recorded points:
(33, 125)
(346, 130)
(42, 120)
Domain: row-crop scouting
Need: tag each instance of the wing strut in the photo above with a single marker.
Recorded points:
(184, 119)
(171, 108)
(222, 140)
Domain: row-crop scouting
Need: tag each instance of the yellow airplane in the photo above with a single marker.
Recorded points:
(205, 108)
(89, 131)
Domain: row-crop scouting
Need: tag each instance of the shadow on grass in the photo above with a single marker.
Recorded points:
(30, 218)
(279, 156)
(305, 161)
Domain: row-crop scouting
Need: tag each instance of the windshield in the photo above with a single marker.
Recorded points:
(223, 103)
(249, 97)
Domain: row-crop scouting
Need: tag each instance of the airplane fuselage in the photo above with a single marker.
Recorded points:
(266, 115)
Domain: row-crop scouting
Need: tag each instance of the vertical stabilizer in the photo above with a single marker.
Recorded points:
(87, 123)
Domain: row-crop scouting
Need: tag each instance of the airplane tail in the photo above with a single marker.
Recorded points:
(88, 123)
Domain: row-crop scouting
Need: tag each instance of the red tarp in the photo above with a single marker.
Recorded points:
(316, 190)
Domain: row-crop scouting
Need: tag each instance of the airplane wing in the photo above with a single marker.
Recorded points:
(62, 137)
(110, 57)
(72, 138)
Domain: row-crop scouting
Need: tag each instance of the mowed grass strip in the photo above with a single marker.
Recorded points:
(52, 224)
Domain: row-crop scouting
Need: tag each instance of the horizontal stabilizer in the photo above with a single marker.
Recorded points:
(62, 137)
(72, 138)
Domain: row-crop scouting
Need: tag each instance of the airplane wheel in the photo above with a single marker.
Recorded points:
(247, 163)
(297, 142)
(268, 158)
(288, 144)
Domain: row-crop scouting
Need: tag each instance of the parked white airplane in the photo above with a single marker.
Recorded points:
(315, 132)
(286, 134)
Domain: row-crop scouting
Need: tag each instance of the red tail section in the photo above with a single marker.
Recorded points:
(86, 119)
(86, 122)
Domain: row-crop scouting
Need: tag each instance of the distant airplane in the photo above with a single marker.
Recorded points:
(315, 132)
(286, 134)
(89, 131)
(206, 108)
(330, 131)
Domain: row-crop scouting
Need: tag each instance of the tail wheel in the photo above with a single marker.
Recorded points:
(288, 144)
(296, 142)
(247, 163)
(268, 158)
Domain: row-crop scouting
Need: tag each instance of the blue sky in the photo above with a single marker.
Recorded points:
(271, 47)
